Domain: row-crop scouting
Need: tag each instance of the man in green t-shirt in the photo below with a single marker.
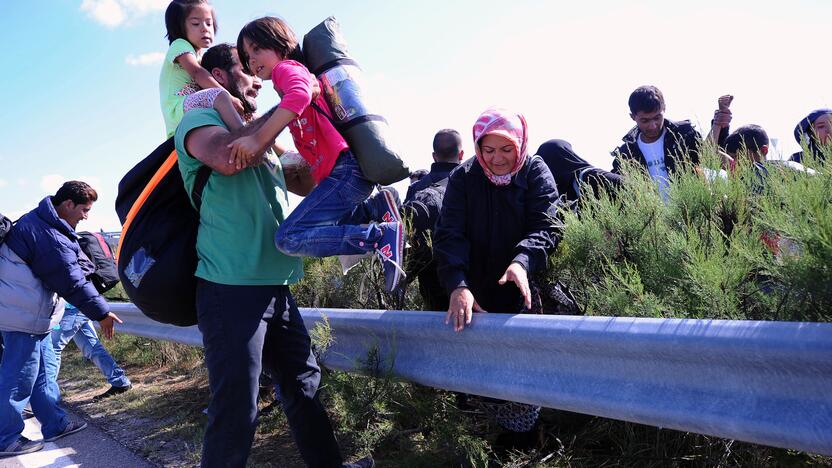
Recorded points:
(246, 313)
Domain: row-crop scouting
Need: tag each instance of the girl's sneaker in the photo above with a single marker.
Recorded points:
(390, 205)
(390, 250)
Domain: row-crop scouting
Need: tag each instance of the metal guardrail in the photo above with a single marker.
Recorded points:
(761, 382)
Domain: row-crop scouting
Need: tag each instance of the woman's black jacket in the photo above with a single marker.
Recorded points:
(483, 228)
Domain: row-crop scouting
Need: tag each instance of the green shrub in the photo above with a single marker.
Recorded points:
(700, 253)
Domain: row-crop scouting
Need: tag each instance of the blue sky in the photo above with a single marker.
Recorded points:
(80, 85)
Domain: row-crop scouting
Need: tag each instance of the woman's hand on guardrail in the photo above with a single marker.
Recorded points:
(462, 305)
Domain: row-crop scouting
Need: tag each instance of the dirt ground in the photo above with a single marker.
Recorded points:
(161, 419)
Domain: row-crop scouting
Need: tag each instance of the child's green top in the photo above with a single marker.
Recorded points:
(175, 84)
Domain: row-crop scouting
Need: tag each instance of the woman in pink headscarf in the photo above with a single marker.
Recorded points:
(498, 225)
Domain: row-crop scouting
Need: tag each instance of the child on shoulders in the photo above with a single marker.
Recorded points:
(183, 83)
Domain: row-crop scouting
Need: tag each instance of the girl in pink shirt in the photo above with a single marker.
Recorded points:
(337, 217)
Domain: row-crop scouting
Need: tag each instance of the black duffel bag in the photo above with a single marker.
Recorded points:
(157, 250)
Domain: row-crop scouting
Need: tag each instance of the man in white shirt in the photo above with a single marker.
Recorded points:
(658, 144)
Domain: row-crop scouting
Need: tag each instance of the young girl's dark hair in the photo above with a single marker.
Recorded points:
(175, 17)
(269, 33)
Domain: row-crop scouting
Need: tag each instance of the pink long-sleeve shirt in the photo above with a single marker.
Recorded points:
(315, 138)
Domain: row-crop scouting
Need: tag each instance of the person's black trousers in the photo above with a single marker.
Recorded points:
(241, 336)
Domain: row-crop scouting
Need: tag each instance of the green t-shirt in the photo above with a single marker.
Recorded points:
(175, 84)
(239, 217)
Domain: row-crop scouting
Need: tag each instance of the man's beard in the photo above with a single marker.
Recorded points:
(234, 90)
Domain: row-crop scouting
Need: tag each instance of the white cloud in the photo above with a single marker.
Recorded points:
(145, 6)
(3, 183)
(50, 183)
(107, 12)
(150, 58)
(112, 13)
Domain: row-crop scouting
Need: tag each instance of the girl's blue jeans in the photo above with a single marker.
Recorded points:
(332, 220)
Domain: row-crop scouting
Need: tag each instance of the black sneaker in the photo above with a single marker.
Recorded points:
(21, 446)
(366, 462)
(112, 391)
(75, 425)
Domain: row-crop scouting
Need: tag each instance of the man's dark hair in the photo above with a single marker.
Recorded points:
(176, 14)
(646, 99)
(748, 137)
(219, 56)
(79, 192)
(269, 33)
(447, 144)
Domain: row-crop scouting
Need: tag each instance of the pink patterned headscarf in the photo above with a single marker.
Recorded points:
(496, 121)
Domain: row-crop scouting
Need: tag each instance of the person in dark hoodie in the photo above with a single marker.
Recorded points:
(40, 263)
(816, 128)
(570, 170)
(658, 144)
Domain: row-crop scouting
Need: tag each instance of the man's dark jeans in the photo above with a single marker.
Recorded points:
(238, 328)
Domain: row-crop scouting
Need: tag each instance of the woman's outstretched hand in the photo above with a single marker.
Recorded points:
(517, 274)
(462, 306)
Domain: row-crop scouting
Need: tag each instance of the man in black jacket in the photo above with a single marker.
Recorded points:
(447, 154)
(422, 205)
(656, 143)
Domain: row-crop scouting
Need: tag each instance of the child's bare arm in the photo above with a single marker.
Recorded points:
(248, 146)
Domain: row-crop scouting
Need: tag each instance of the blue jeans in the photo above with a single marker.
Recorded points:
(241, 336)
(77, 327)
(28, 375)
(332, 219)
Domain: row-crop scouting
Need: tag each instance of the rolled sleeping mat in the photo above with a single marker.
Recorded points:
(325, 54)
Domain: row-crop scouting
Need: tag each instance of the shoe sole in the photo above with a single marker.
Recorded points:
(32, 449)
(392, 207)
(399, 255)
(66, 433)
(110, 393)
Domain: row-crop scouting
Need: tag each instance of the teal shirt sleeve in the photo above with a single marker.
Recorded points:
(189, 165)
(177, 48)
